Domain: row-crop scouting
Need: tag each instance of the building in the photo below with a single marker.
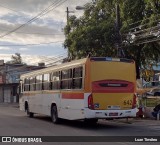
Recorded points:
(9, 79)
(2, 79)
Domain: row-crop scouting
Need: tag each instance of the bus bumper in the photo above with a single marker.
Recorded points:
(104, 114)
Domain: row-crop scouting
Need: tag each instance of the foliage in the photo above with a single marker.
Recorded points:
(95, 31)
(141, 15)
(16, 59)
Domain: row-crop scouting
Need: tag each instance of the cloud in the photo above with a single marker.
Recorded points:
(14, 13)
(33, 7)
(30, 8)
(5, 48)
(53, 22)
(30, 34)
(29, 59)
(25, 5)
(23, 49)
(5, 57)
(33, 59)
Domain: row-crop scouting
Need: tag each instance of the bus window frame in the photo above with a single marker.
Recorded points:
(59, 81)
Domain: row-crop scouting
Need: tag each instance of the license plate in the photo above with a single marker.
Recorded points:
(113, 114)
(114, 107)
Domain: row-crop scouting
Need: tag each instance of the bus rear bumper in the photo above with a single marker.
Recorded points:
(104, 114)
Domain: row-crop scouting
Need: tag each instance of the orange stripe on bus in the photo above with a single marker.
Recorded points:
(73, 96)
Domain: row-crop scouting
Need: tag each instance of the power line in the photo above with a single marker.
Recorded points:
(35, 33)
(42, 13)
(148, 41)
(144, 42)
(59, 59)
(38, 33)
(10, 9)
(43, 59)
(143, 33)
(34, 44)
(142, 20)
(50, 59)
(52, 64)
(51, 9)
(141, 26)
(143, 39)
(146, 36)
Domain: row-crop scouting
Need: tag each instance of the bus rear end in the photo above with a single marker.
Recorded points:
(112, 85)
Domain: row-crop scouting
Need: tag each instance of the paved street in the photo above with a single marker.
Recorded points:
(13, 122)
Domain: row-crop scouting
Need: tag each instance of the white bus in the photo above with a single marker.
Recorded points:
(87, 89)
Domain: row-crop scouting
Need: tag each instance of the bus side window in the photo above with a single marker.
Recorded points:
(22, 86)
(55, 79)
(77, 78)
(26, 84)
(50, 81)
(66, 82)
(46, 81)
(32, 83)
(39, 82)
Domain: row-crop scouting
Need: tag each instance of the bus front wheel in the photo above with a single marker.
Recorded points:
(30, 114)
(54, 114)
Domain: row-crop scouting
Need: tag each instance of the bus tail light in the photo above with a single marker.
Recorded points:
(134, 101)
(90, 102)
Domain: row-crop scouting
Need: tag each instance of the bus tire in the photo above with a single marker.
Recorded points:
(91, 121)
(30, 114)
(54, 114)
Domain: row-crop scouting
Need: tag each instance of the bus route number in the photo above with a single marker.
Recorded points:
(127, 102)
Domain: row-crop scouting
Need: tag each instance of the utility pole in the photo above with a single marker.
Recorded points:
(120, 52)
(68, 27)
(67, 16)
(67, 11)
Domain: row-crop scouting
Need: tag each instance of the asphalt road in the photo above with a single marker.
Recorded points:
(13, 122)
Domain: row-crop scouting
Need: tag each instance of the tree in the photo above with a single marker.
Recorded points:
(16, 59)
(140, 15)
(91, 32)
(95, 31)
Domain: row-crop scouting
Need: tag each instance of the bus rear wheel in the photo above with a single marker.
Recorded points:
(54, 114)
(30, 114)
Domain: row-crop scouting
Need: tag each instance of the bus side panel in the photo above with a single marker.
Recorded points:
(72, 106)
(35, 103)
(22, 102)
(49, 99)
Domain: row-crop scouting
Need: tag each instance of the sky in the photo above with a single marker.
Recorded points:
(40, 40)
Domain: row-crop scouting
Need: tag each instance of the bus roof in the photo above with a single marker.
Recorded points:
(58, 67)
(73, 64)
(111, 59)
